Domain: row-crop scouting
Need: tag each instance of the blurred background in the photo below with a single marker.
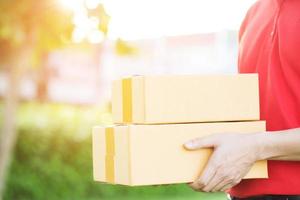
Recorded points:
(57, 61)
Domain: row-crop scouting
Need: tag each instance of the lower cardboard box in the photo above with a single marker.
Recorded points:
(154, 154)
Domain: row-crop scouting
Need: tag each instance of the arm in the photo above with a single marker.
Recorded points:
(234, 154)
(280, 145)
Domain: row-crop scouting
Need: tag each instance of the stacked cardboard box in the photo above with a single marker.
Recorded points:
(153, 116)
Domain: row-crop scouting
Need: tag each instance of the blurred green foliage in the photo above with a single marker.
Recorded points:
(52, 159)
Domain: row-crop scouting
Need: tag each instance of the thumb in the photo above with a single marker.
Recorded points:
(204, 142)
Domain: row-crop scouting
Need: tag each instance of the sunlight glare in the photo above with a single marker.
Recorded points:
(78, 35)
(95, 37)
(72, 4)
(137, 19)
(92, 4)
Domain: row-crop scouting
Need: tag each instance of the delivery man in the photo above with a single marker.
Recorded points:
(270, 46)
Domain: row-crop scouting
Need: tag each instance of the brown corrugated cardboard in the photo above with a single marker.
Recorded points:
(185, 98)
(153, 154)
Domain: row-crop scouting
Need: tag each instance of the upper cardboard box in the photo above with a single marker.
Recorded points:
(185, 98)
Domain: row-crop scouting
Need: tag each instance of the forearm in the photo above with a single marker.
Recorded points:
(279, 145)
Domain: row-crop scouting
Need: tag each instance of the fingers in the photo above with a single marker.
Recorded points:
(214, 178)
(208, 174)
(220, 185)
(195, 186)
(229, 186)
(219, 178)
(221, 181)
(205, 142)
(205, 178)
(216, 184)
(224, 185)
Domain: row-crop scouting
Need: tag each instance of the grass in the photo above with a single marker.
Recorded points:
(52, 159)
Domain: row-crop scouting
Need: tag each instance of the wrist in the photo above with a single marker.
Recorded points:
(255, 145)
(268, 145)
(262, 145)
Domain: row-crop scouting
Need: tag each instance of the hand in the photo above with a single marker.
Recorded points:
(233, 156)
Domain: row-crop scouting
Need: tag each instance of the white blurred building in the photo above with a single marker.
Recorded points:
(192, 54)
(84, 76)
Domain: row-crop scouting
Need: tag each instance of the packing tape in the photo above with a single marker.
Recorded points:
(110, 141)
(127, 100)
(110, 153)
(110, 169)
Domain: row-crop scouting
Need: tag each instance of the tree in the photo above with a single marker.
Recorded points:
(28, 30)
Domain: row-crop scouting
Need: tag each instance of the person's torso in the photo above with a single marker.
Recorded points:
(270, 46)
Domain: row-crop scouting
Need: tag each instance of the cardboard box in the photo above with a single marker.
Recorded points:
(185, 98)
(154, 154)
(103, 154)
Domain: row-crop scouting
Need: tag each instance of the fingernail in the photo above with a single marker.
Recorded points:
(188, 145)
(200, 184)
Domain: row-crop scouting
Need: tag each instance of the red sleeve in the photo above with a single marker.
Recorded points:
(248, 17)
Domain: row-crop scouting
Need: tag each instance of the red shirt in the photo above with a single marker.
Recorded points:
(270, 46)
